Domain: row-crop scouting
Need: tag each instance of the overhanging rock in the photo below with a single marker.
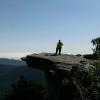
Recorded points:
(60, 72)
(46, 61)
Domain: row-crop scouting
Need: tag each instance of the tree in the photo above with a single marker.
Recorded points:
(27, 90)
(96, 43)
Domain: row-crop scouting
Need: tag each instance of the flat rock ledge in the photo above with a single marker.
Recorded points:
(47, 61)
(65, 74)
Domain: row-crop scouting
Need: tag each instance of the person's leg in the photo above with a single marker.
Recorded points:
(56, 51)
(59, 51)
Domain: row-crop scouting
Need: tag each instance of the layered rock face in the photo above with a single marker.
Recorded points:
(47, 61)
(62, 73)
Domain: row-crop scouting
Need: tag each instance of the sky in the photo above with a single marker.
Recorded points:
(33, 26)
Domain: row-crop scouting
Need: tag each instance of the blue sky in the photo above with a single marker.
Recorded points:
(28, 26)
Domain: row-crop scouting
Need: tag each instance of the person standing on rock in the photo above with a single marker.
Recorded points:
(59, 47)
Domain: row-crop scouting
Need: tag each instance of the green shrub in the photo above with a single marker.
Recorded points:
(91, 56)
(27, 90)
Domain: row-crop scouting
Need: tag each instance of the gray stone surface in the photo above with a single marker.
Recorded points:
(62, 73)
(62, 62)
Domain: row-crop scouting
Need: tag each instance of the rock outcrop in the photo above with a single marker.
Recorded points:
(47, 61)
(62, 73)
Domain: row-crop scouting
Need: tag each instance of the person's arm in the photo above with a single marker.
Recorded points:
(62, 44)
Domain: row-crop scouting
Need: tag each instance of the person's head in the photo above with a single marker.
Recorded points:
(59, 40)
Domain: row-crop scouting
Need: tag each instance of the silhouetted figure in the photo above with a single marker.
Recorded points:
(59, 47)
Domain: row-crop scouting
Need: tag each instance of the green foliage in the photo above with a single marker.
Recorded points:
(27, 90)
(91, 56)
(96, 43)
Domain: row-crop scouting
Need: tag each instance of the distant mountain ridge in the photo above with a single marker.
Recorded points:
(12, 69)
(16, 62)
